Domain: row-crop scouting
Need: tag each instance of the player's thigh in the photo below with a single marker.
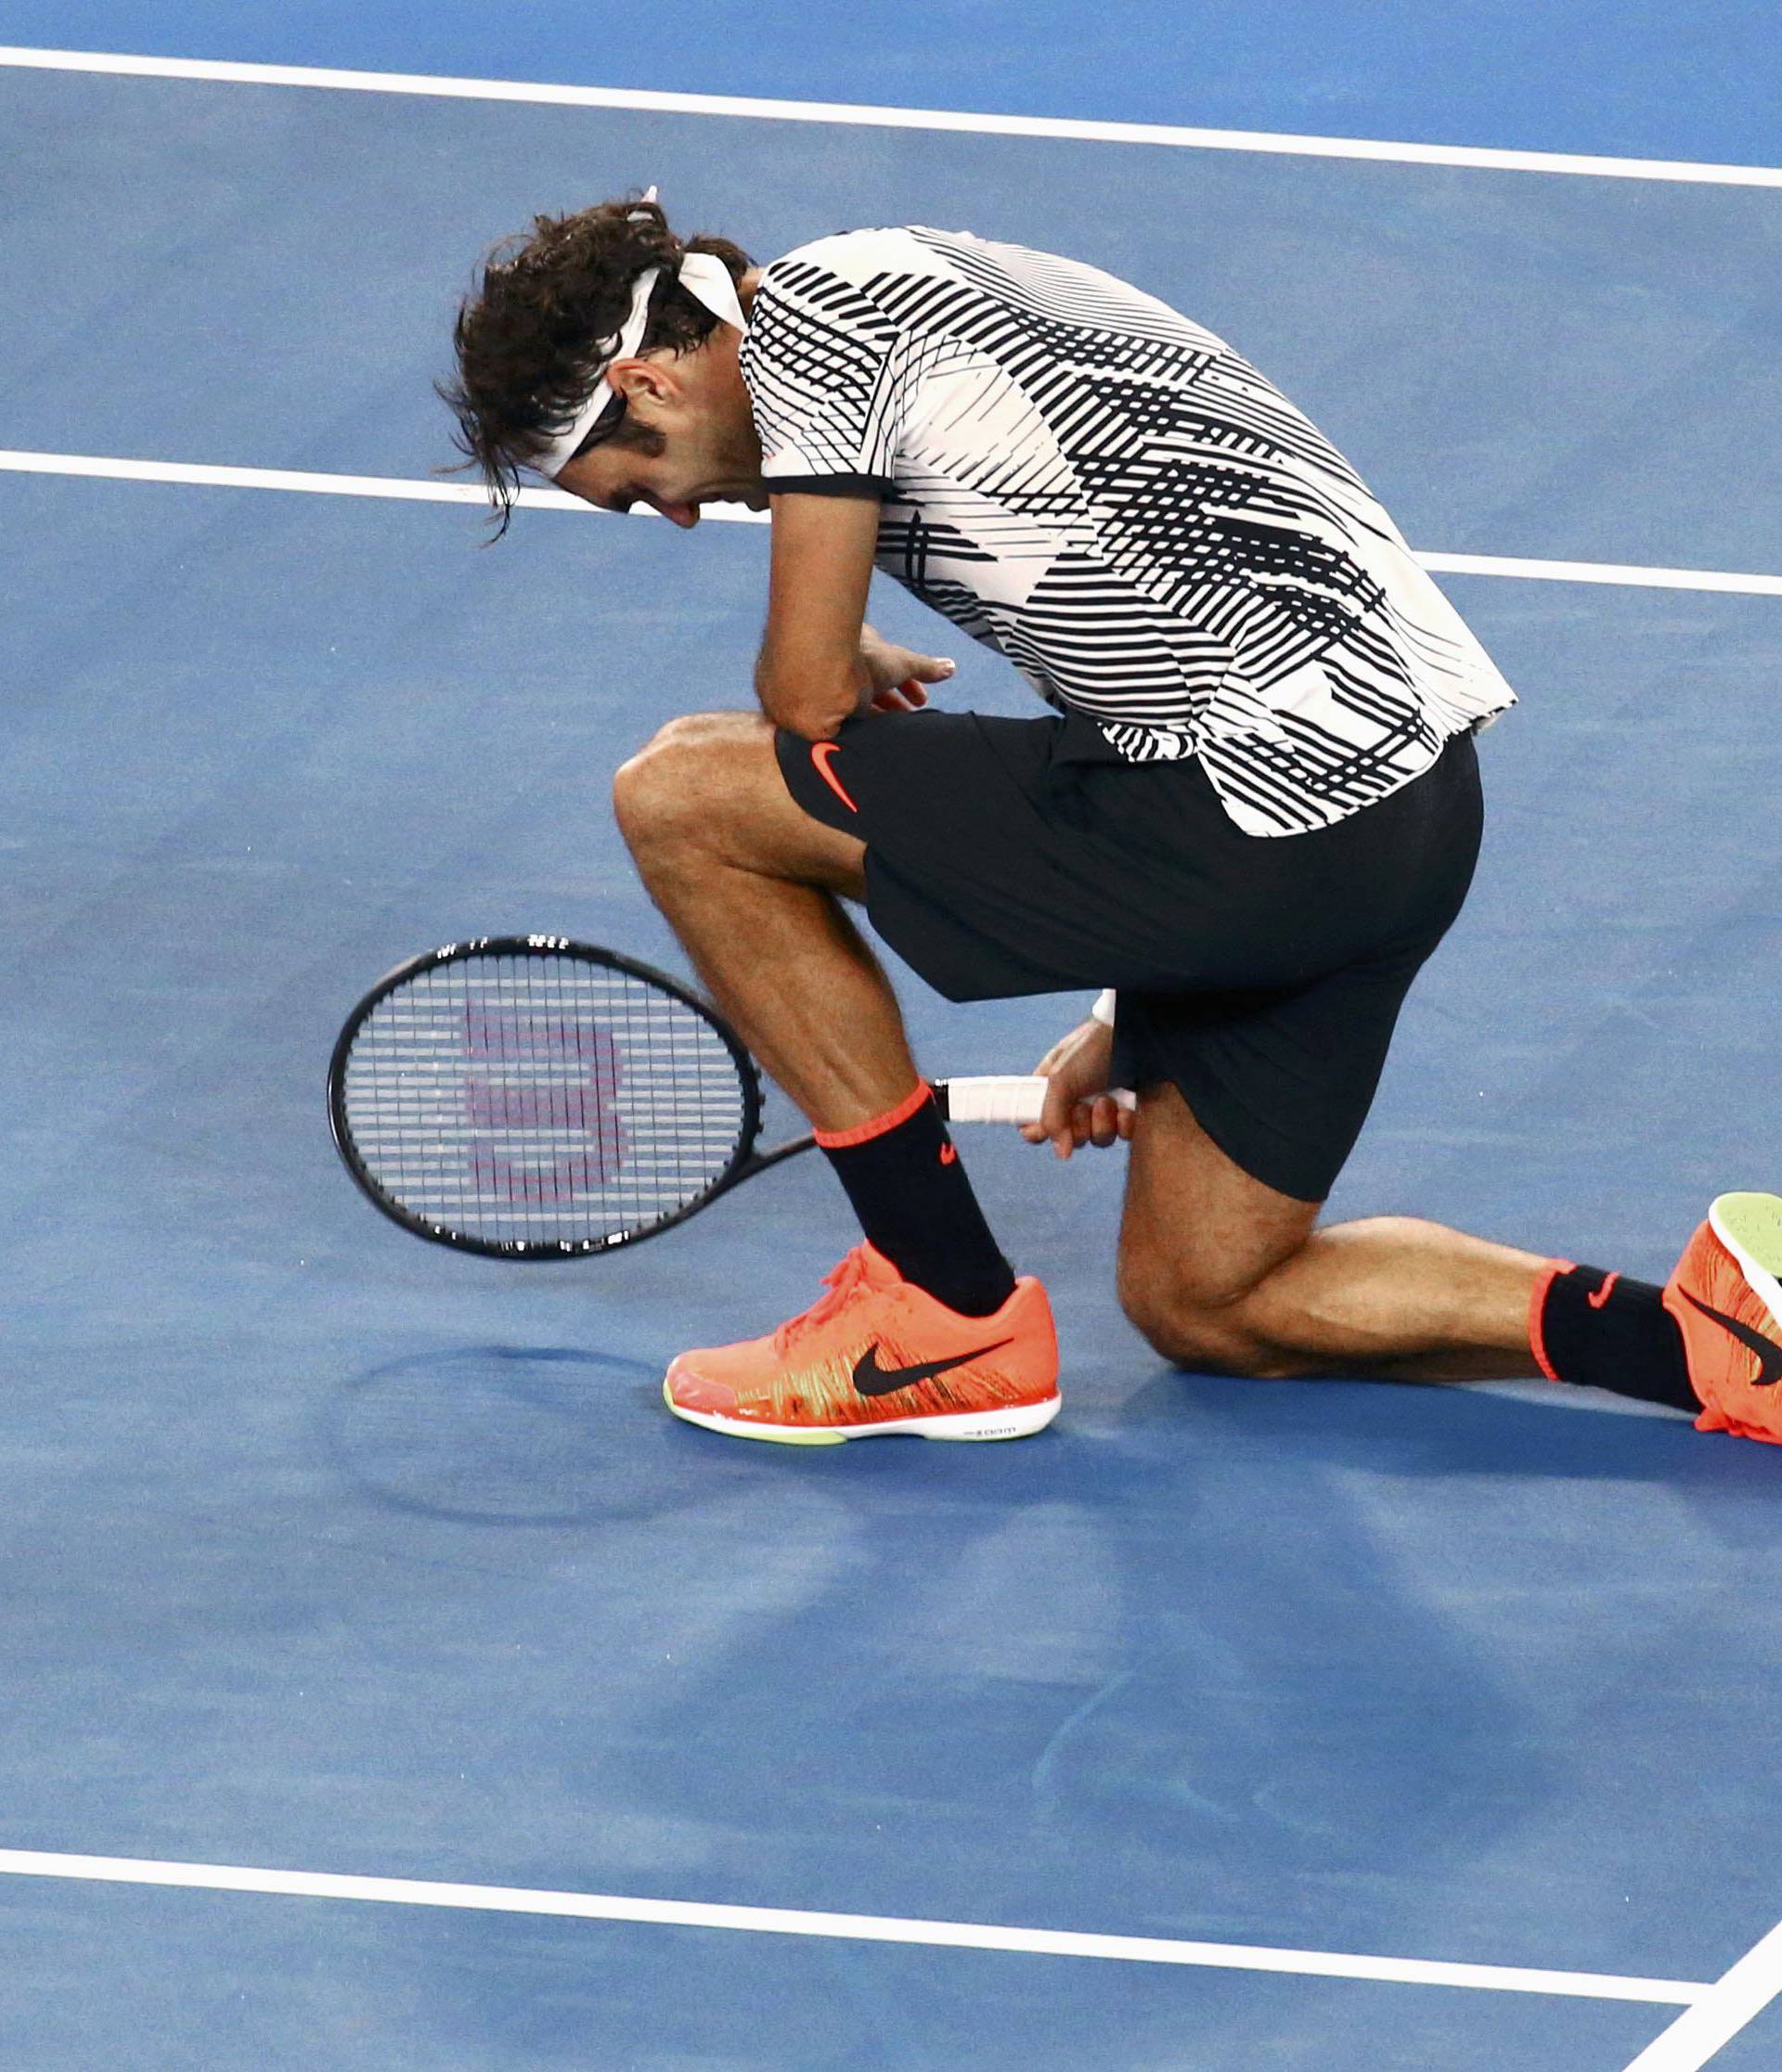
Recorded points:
(1197, 1233)
(709, 784)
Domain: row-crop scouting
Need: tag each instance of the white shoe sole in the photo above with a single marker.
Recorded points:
(1018, 1421)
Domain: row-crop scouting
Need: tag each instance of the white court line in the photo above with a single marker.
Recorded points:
(1726, 2007)
(895, 117)
(557, 499)
(851, 1927)
(111, 469)
(1601, 572)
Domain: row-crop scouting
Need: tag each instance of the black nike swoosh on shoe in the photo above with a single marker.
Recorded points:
(1768, 1352)
(871, 1379)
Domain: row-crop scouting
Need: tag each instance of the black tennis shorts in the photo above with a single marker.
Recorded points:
(1261, 975)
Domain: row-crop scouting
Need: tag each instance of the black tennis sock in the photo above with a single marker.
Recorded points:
(916, 1206)
(1611, 1333)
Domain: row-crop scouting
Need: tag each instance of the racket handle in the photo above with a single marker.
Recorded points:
(1007, 1098)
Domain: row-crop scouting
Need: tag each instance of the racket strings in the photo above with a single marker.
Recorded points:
(540, 1100)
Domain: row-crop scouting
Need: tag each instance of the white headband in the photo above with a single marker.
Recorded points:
(706, 279)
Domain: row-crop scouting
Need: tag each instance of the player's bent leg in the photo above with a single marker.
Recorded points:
(1224, 1274)
(925, 1329)
(748, 881)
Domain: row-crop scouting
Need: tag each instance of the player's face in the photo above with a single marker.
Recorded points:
(698, 407)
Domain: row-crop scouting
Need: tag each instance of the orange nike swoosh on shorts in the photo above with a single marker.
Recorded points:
(819, 753)
(948, 1156)
(1601, 1298)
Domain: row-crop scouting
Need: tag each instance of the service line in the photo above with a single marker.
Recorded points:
(850, 1927)
(107, 468)
(755, 108)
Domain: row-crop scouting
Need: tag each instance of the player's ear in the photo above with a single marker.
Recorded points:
(646, 381)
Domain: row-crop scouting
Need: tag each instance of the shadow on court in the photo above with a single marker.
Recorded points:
(1423, 1430)
(492, 1434)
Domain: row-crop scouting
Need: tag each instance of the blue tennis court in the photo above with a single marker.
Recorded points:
(1228, 1724)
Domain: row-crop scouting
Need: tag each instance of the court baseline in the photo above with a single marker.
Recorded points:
(786, 1920)
(1180, 136)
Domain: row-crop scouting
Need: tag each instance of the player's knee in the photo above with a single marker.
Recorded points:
(656, 794)
(1200, 1340)
(1179, 1322)
(689, 781)
(1165, 1312)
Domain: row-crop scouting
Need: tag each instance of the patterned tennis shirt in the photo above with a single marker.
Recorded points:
(1110, 496)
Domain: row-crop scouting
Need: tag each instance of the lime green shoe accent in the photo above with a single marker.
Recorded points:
(740, 1428)
(1753, 1223)
(1750, 1226)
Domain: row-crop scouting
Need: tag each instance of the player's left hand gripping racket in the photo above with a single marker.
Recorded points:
(532, 1098)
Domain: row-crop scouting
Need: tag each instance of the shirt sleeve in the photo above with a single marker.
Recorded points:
(820, 365)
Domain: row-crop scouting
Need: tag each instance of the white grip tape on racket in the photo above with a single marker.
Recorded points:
(1006, 1098)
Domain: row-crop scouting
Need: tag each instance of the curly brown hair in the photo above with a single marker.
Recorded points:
(542, 320)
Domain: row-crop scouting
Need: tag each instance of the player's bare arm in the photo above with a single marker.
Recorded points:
(811, 675)
(820, 663)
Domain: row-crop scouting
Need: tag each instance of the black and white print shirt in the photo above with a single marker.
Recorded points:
(1106, 494)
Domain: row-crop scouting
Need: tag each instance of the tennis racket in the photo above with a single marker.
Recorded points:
(531, 1098)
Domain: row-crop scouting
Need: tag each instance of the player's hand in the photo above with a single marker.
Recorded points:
(894, 675)
(1080, 1108)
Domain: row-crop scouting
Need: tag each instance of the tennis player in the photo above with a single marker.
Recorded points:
(1251, 812)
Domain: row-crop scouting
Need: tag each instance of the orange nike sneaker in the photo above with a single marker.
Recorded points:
(1727, 1301)
(877, 1354)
